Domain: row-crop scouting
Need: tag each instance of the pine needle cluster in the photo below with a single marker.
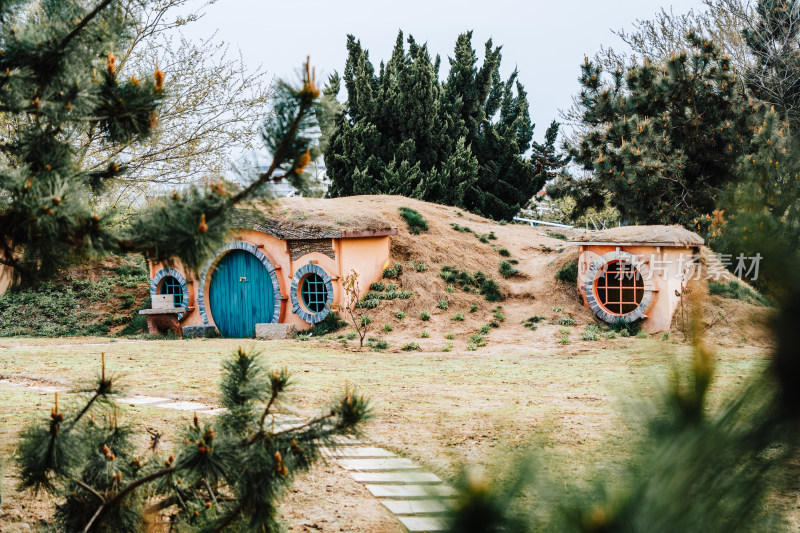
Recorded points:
(229, 471)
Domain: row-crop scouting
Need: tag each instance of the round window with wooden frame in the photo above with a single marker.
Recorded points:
(619, 288)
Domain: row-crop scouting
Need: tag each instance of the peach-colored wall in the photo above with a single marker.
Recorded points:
(670, 267)
(367, 256)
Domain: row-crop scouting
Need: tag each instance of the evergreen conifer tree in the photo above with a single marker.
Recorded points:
(58, 80)
(462, 142)
(773, 39)
(662, 140)
(227, 474)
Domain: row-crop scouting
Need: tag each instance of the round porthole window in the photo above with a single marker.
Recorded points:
(311, 293)
(619, 288)
(615, 287)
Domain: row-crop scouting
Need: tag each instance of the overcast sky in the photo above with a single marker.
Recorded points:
(545, 40)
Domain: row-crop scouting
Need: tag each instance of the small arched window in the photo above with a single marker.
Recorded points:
(170, 285)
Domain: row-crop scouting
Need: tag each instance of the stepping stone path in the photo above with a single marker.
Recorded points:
(418, 499)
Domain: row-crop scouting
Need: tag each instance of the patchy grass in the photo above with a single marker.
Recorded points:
(415, 221)
(452, 405)
(736, 291)
(95, 299)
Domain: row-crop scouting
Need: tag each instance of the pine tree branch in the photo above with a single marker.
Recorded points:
(230, 518)
(266, 410)
(90, 489)
(84, 21)
(127, 490)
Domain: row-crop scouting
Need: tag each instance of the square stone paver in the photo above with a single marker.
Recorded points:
(417, 506)
(422, 523)
(143, 400)
(378, 465)
(396, 478)
(185, 406)
(357, 452)
(401, 492)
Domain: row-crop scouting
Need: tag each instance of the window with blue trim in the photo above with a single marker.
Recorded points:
(314, 293)
(170, 285)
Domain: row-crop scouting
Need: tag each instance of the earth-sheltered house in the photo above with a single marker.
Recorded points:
(276, 269)
(636, 273)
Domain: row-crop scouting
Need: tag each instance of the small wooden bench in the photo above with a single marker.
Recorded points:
(164, 315)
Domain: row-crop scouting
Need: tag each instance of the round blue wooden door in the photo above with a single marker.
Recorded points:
(240, 294)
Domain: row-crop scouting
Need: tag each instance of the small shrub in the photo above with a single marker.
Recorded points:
(135, 326)
(506, 270)
(410, 346)
(461, 229)
(546, 249)
(393, 272)
(471, 347)
(559, 236)
(405, 295)
(447, 347)
(491, 291)
(449, 336)
(425, 316)
(372, 303)
(504, 252)
(377, 344)
(665, 337)
(387, 328)
(473, 308)
(458, 317)
(736, 291)
(442, 304)
(352, 336)
(378, 286)
(424, 334)
(642, 335)
(366, 320)
(498, 315)
(494, 324)
(568, 273)
(590, 333)
(392, 287)
(414, 220)
(485, 329)
(128, 300)
(492, 236)
(400, 315)
(330, 324)
(564, 336)
(566, 321)
(625, 329)
(477, 340)
(484, 239)
(450, 289)
(531, 322)
(557, 309)
(419, 267)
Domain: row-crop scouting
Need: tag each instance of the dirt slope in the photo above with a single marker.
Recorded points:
(533, 291)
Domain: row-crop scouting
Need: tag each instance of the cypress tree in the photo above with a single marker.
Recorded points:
(462, 142)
